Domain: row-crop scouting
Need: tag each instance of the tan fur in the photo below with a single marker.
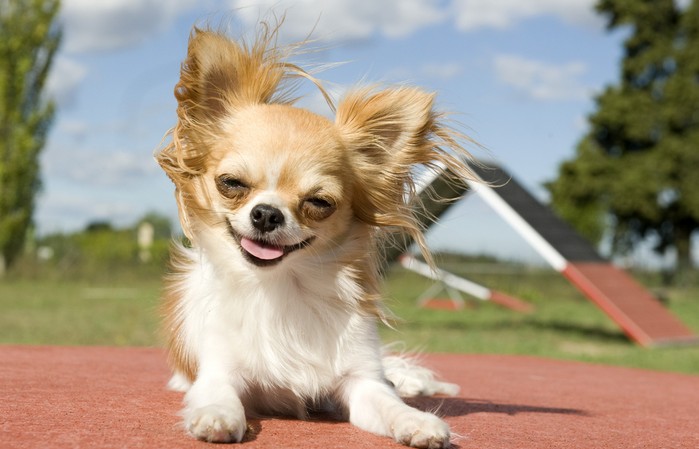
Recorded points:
(218, 76)
(389, 133)
(366, 158)
(170, 309)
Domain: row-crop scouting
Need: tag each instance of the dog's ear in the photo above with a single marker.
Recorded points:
(388, 134)
(392, 125)
(219, 75)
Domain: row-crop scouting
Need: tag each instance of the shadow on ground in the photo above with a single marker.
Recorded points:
(588, 331)
(448, 407)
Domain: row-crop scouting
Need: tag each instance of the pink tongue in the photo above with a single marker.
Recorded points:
(260, 250)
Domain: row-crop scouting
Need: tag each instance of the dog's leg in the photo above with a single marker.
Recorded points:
(375, 407)
(178, 382)
(213, 412)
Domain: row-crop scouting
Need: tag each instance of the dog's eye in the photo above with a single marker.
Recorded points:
(319, 203)
(317, 208)
(230, 186)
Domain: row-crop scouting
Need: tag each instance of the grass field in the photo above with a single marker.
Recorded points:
(564, 324)
(79, 313)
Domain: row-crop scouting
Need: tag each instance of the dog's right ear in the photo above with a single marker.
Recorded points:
(219, 75)
(205, 76)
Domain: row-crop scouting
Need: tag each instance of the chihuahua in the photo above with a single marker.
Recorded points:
(272, 309)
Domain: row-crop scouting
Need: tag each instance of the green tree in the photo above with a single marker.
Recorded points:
(634, 171)
(29, 38)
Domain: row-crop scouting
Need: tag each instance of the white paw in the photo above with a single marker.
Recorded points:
(410, 379)
(422, 430)
(216, 424)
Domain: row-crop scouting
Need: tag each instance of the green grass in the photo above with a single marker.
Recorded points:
(564, 325)
(79, 313)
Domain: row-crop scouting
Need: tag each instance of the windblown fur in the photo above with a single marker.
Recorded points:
(274, 307)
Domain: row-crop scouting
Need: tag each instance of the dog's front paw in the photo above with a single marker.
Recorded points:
(216, 424)
(422, 430)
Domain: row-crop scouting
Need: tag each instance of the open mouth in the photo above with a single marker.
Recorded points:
(262, 253)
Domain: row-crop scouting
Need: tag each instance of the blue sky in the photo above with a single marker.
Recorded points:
(520, 75)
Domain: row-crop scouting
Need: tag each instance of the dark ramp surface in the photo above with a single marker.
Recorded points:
(637, 311)
(559, 234)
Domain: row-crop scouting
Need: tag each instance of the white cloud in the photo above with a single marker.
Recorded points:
(343, 20)
(474, 14)
(428, 70)
(541, 80)
(443, 71)
(82, 185)
(75, 129)
(64, 80)
(60, 211)
(98, 168)
(93, 25)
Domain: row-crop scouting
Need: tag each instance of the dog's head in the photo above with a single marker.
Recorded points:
(276, 180)
(269, 180)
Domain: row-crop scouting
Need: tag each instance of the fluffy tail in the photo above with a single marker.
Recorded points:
(410, 379)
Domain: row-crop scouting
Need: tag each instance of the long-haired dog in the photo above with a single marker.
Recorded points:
(273, 309)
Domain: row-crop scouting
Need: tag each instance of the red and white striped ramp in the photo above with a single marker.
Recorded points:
(454, 284)
(637, 311)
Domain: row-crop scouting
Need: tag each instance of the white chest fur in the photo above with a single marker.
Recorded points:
(297, 331)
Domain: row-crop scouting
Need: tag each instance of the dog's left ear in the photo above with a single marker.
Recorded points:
(387, 133)
(392, 126)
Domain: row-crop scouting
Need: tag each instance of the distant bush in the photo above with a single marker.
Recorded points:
(100, 252)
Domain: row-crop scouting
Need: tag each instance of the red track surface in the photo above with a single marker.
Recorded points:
(88, 397)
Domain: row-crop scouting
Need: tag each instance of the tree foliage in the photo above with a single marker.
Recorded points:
(29, 38)
(100, 251)
(635, 170)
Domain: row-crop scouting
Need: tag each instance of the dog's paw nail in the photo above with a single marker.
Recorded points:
(216, 424)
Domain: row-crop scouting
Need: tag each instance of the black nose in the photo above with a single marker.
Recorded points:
(266, 218)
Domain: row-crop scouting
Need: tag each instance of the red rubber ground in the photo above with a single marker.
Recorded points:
(90, 397)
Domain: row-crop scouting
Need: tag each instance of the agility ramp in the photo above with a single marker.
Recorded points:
(454, 284)
(639, 314)
(636, 310)
(438, 192)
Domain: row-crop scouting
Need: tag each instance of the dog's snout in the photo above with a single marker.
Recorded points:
(266, 218)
